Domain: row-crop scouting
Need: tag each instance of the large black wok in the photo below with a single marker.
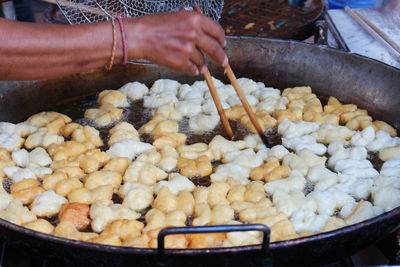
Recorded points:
(351, 78)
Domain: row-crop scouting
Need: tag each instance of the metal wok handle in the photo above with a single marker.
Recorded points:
(213, 229)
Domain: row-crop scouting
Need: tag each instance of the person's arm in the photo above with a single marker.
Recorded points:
(175, 40)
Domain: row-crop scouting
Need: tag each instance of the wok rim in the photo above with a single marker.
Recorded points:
(273, 246)
(153, 251)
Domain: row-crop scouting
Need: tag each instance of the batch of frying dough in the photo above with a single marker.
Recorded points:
(58, 181)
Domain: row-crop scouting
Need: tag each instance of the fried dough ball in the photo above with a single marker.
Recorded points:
(334, 106)
(363, 211)
(11, 142)
(124, 229)
(104, 115)
(99, 195)
(113, 97)
(94, 159)
(328, 133)
(165, 85)
(69, 128)
(156, 220)
(359, 122)
(202, 214)
(222, 214)
(136, 196)
(321, 117)
(16, 213)
(210, 240)
(70, 168)
(165, 200)
(389, 153)
(169, 139)
(234, 171)
(144, 173)
(159, 125)
(137, 242)
(66, 150)
(43, 118)
(169, 159)
(3, 165)
(102, 215)
(5, 155)
(67, 229)
(217, 194)
(177, 241)
(175, 184)
(185, 202)
(236, 112)
(333, 223)
(194, 151)
(77, 213)
(169, 112)
(254, 191)
(26, 190)
(270, 171)
(264, 120)
(199, 167)
(122, 131)
(242, 238)
(36, 158)
(381, 125)
(47, 203)
(151, 156)
(43, 138)
(17, 174)
(106, 239)
(118, 165)
(40, 225)
(219, 146)
(22, 129)
(134, 90)
(292, 114)
(282, 230)
(203, 123)
(103, 177)
(88, 136)
(128, 148)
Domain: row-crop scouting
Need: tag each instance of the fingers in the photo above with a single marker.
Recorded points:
(197, 58)
(210, 46)
(213, 29)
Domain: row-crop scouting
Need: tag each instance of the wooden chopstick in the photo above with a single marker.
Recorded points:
(242, 97)
(221, 111)
(379, 31)
(373, 33)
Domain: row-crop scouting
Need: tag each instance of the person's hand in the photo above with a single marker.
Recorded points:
(177, 40)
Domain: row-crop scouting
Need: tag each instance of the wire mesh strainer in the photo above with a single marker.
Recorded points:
(89, 11)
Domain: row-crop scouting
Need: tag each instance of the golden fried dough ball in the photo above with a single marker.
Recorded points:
(270, 171)
(199, 167)
(124, 229)
(293, 114)
(66, 150)
(26, 190)
(185, 202)
(236, 112)
(40, 225)
(169, 139)
(210, 240)
(321, 117)
(88, 136)
(69, 128)
(113, 97)
(5, 155)
(104, 115)
(67, 229)
(106, 239)
(103, 177)
(44, 118)
(118, 165)
(381, 125)
(165, 200)
(99, 195)
(43, 138)
(77, 213)
(264, 119)
(194, 151)
(121, 131)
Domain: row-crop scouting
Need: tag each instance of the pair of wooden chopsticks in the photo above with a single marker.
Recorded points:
(242, 97)
(379, 35)
(239, 92)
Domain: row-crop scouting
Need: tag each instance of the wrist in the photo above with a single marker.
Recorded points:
(134, 38)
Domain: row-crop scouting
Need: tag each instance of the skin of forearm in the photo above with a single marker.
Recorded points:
(39, 51)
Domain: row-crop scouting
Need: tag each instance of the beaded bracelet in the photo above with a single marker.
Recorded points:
(123, 39)
(111, 63)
